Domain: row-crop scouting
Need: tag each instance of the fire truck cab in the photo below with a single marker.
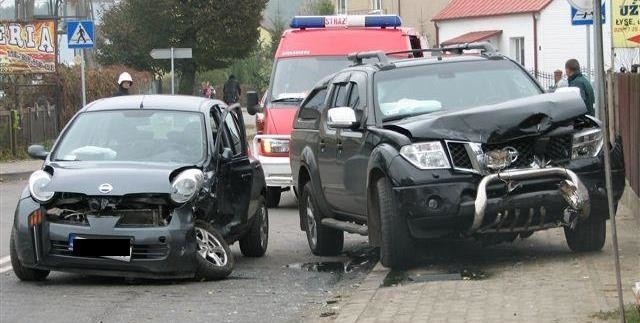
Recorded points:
(314, 47)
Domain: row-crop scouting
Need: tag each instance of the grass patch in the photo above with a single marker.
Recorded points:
(630, 312)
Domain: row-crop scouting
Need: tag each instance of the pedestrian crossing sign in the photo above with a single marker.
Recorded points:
(80, 34)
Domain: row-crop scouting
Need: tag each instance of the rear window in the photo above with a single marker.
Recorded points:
(450, 86)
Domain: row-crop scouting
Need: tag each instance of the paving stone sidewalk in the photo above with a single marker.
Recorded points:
(17, 170)
(533, 280)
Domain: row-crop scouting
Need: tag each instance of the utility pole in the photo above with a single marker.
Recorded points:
(599, 65)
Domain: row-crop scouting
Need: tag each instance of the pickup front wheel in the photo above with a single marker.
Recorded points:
(323, 240)
(588, 235)
(395, 250)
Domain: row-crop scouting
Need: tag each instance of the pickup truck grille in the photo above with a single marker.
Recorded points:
(555, 149)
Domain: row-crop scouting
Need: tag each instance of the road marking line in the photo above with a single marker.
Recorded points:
(5, 269)
(4, 259)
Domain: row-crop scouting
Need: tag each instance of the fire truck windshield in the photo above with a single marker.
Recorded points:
(295, 76)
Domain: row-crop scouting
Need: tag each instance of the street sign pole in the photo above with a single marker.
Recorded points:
(597, 15)
(172, 73)
(171, 54)
(84, 88)
(588, 28)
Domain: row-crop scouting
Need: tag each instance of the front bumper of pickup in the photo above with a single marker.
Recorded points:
(442, 202)
(277, 170)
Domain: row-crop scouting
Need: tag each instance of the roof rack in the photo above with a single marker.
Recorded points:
(485, 48)
(357, 58)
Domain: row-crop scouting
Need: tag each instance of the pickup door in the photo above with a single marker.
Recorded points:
(342, 162)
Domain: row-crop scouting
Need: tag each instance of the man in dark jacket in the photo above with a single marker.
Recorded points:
(576, 79)
(231, 91)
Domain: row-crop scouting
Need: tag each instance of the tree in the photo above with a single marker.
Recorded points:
(219, 31)
(319, 7)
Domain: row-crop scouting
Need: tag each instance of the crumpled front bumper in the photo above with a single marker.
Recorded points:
(442, 202)
(157, 252)
(277, 170)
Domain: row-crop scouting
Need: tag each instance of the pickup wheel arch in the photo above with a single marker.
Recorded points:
(379, 163)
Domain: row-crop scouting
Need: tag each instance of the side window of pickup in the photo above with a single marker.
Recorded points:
(311, 108)
(341, 96)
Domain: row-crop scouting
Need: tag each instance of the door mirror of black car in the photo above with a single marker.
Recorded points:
(227, 154)
(253, 106)
(343, 118)
(37, 152)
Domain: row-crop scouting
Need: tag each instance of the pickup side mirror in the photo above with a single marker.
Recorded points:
(227, 154)
(37, 152)
(253, 106)
(342, 118)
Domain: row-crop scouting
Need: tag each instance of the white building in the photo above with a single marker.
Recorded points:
(536, 33)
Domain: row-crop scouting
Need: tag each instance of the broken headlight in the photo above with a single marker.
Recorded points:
(586, 144)
(186, 185)
(426, 155)
(38, 182)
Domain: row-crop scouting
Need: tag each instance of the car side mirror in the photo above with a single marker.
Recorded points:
(37, 152)
(227, 154)
(343, 118)
(253, 105)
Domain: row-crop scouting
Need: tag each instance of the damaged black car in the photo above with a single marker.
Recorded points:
(448, 146)
(143, 187)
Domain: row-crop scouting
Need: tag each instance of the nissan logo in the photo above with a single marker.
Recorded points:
(513, 153)
(105, 188)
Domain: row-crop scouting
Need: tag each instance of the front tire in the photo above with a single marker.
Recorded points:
(588, 235)
(273, 196)
(395, 249)
(323, 240)
(24, 273)
(254, 243)
(214, 257)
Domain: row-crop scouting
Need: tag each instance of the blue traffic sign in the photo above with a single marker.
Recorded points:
(80, 34)
(579, 17)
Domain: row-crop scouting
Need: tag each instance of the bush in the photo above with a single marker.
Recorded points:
(100, 82)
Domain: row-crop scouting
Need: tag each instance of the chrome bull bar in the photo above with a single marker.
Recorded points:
(572, 190)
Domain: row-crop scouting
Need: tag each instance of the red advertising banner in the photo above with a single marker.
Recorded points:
(27, 47)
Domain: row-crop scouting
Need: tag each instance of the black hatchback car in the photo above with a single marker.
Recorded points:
(143, 186)
(448, 146)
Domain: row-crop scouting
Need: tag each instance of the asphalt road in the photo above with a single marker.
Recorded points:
(282, 286)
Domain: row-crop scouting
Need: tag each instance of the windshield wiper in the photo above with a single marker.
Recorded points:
(403, 116)
(287, 100)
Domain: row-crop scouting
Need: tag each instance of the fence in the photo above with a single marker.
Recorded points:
(627, 122)
(547, 80)
(28, 114)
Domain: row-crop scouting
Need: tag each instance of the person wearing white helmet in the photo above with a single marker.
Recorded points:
(124, 84)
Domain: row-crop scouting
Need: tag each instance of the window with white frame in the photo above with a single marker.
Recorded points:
(376, 4)
(341, 8)
(517, 49)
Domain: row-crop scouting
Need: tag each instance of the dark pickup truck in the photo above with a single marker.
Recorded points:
(449, 146)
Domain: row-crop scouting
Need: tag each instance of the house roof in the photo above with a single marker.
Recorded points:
(459, 9)
(471, 37)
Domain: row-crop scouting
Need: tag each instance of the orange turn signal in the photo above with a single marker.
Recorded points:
(35, 218)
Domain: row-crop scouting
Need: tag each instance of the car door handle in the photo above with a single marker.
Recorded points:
(245, 175)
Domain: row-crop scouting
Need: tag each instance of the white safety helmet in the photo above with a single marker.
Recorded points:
(124, 77)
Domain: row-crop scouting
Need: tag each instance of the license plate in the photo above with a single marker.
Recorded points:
(112, 248)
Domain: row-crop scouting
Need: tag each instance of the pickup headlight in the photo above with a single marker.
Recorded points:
(426, 155)
(275, 146)
(586, 144)
(38, 182)
(186, 185)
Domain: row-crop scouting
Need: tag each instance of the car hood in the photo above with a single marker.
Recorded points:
(125, 178)
(279, 119)
(497, 123)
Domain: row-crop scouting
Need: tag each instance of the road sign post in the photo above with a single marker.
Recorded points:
(172, 54)
(80, 36)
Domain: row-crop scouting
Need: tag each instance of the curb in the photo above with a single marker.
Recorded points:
(18, 176)
(363, 295)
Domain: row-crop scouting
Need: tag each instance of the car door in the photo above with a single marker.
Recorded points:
(327, 150)
(350, 158)
(235, 174)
